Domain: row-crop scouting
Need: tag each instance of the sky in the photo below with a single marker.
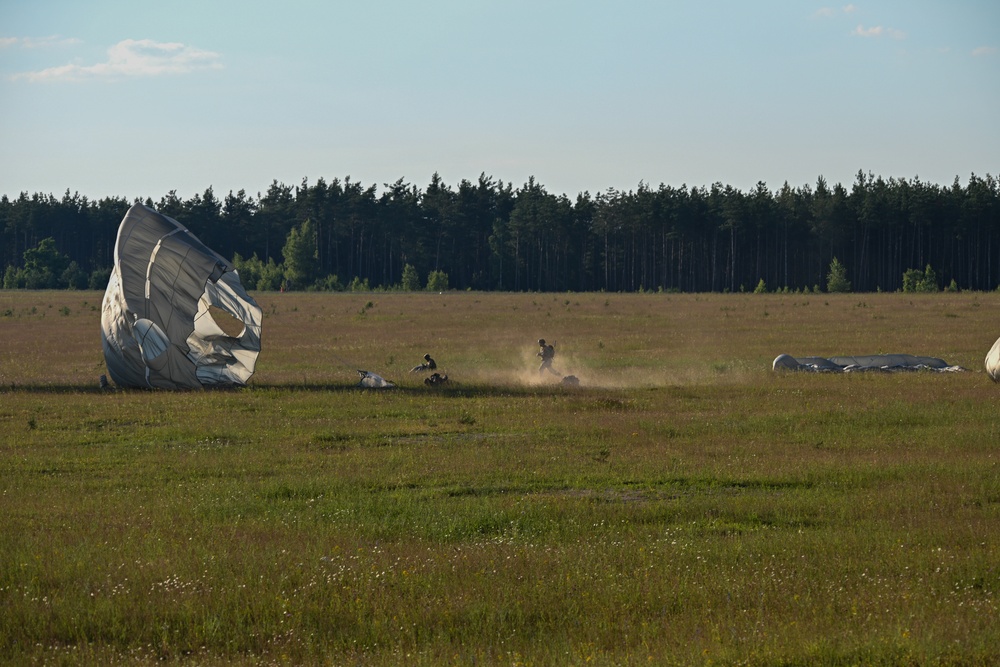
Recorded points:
(137, 98)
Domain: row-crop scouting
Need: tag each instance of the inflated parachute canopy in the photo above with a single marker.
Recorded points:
(157, 324)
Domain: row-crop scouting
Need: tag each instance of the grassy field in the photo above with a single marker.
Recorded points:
(683, 505)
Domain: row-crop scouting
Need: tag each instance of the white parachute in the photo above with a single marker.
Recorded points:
(157, 327)
(993, 362)
(373, 381)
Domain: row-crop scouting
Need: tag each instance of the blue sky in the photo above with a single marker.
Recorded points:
(135, 98)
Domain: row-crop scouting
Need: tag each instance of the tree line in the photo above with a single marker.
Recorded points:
(488, 235)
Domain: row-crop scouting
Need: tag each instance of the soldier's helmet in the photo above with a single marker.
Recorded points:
(541, 341)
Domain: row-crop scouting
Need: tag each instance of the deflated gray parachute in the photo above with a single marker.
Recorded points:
(871, 362)
(156, 326)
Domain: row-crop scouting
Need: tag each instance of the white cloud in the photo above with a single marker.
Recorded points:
(878, 31)
(984, 51)
(826, 12)
(861, 31)
(133, 58)
(36, 42)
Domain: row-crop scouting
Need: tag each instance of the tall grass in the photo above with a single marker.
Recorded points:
(685, 505)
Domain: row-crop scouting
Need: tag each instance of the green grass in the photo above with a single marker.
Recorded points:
(685, 505)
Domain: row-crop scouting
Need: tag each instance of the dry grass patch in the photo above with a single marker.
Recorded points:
(684, 505)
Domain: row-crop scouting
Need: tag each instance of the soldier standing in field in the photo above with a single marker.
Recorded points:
(546, 352)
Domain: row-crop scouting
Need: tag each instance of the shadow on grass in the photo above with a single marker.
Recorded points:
(452, 390)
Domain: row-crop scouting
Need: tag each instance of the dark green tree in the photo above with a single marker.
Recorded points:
(203, 216)
(44, 268)
(274, 218)
(301, 257)
(486, 235)
(237, 220)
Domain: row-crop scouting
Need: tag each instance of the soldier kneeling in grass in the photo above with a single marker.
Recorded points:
(435, 379)
(428, 365)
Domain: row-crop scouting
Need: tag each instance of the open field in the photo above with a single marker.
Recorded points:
(684, 505)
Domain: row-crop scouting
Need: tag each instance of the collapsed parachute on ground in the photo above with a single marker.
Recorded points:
(871, 362)
(157, 328)
(373, 381)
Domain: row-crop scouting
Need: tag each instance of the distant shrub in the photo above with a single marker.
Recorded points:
(437, 281)
(915, 280)
(359, 285)
(258, 275)
(99, 279)
(836, 279)
(411, 279)
(761, 287)
(329, 284)
(12, 278)
(73, 277)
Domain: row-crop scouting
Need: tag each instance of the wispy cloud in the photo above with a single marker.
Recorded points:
(826, 12)
(36, 42)
(133, 58)
(878, 31)
(984, 51)
(861, 31)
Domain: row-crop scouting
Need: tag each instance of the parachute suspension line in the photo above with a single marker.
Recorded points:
(344, 362)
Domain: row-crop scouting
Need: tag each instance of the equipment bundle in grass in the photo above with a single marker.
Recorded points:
(158, 325)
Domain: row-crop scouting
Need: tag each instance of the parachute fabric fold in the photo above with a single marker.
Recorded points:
(157, 328)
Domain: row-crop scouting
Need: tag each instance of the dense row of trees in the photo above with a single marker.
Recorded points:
(488, 235)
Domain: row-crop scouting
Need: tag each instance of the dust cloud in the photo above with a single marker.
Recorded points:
(524, 372)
